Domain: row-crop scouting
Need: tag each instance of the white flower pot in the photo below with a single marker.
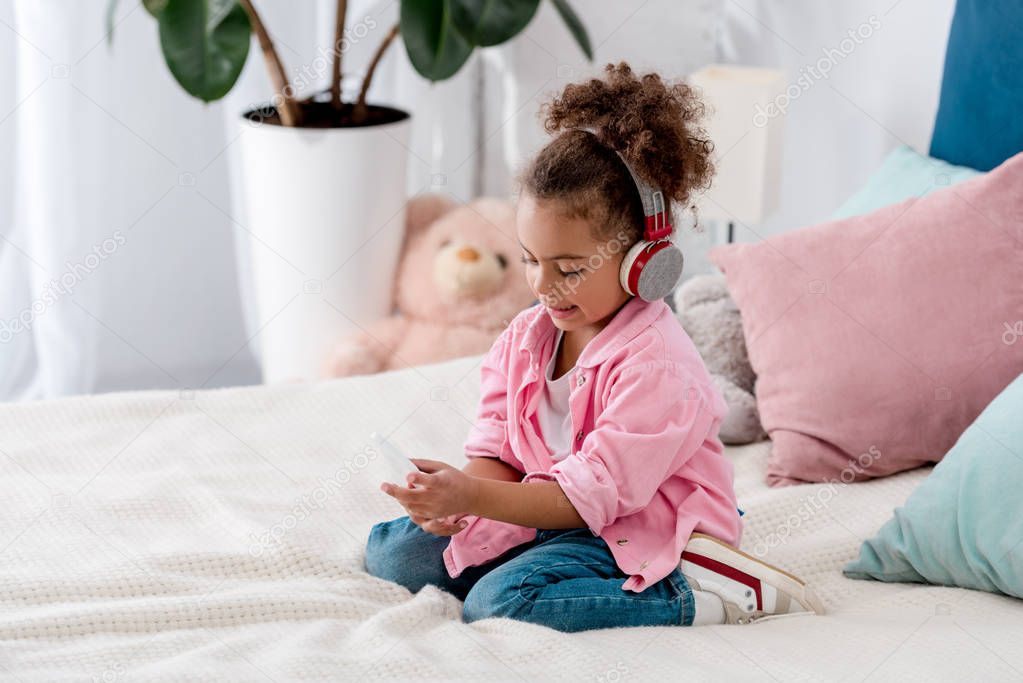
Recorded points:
(326, 214)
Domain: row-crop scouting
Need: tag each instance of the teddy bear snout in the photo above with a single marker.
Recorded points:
(467, 254)
(463, 270)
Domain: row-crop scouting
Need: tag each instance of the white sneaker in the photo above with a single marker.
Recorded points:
(750, 590)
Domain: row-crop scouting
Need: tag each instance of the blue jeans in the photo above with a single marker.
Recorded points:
(566, 579)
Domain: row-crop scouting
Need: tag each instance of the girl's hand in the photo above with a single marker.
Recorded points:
(445, 526)
(443, 491)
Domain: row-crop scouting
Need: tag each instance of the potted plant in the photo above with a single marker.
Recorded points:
(324, 178)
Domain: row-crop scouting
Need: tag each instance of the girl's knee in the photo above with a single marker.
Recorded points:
(397, 553)
(376, 550)
(493, 598)
(384, 545)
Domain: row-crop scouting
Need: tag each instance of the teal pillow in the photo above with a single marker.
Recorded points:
(905, 173)
(963, 525)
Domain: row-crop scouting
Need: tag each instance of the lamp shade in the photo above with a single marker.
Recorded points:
(745, 122)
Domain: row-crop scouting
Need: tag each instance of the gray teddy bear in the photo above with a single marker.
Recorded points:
(711, 319)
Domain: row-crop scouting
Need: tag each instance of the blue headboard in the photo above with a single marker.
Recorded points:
(980, 113)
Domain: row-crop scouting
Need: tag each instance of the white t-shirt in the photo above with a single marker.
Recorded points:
(552, 411)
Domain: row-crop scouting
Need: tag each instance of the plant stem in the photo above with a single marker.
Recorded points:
(359, 114)
(339, 30)
(289, 113)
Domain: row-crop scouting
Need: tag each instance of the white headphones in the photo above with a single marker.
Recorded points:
(652, 268)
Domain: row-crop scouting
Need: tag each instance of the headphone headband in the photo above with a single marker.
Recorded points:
(654, 210)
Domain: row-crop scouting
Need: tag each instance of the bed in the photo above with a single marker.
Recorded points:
(220, 534)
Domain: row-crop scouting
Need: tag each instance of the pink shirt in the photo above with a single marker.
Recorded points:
(647, 470)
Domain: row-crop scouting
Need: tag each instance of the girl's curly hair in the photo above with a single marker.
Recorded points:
(653, 124)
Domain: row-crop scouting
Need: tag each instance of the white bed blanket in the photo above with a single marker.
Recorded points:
(220, 535)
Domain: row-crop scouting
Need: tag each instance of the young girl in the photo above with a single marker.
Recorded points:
(596, 493)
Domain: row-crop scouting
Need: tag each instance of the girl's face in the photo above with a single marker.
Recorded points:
(567, 268)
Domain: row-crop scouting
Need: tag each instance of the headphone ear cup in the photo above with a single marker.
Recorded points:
(654, 270)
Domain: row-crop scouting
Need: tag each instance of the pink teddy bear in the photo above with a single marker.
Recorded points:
(459, 284)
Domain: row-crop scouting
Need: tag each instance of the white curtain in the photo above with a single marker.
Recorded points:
(113, 269)
(17, 351)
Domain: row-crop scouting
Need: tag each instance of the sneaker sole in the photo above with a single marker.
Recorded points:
(715, 549)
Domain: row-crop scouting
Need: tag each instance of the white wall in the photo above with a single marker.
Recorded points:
(883, 93)
(667, 36)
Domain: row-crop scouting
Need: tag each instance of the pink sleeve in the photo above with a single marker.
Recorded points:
(654, 420)
(488, 436)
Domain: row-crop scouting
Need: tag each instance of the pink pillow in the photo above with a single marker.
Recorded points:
(878, 339)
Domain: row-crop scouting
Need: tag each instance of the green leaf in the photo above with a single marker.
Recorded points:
(205, 44)
(576, 27)
(491, 22)
(435, 48)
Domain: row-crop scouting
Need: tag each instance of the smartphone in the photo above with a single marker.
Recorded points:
(394, 462)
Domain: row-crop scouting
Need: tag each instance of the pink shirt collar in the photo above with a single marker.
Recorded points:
(632, 318)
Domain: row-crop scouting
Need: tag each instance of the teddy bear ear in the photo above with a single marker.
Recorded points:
(424, 209)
